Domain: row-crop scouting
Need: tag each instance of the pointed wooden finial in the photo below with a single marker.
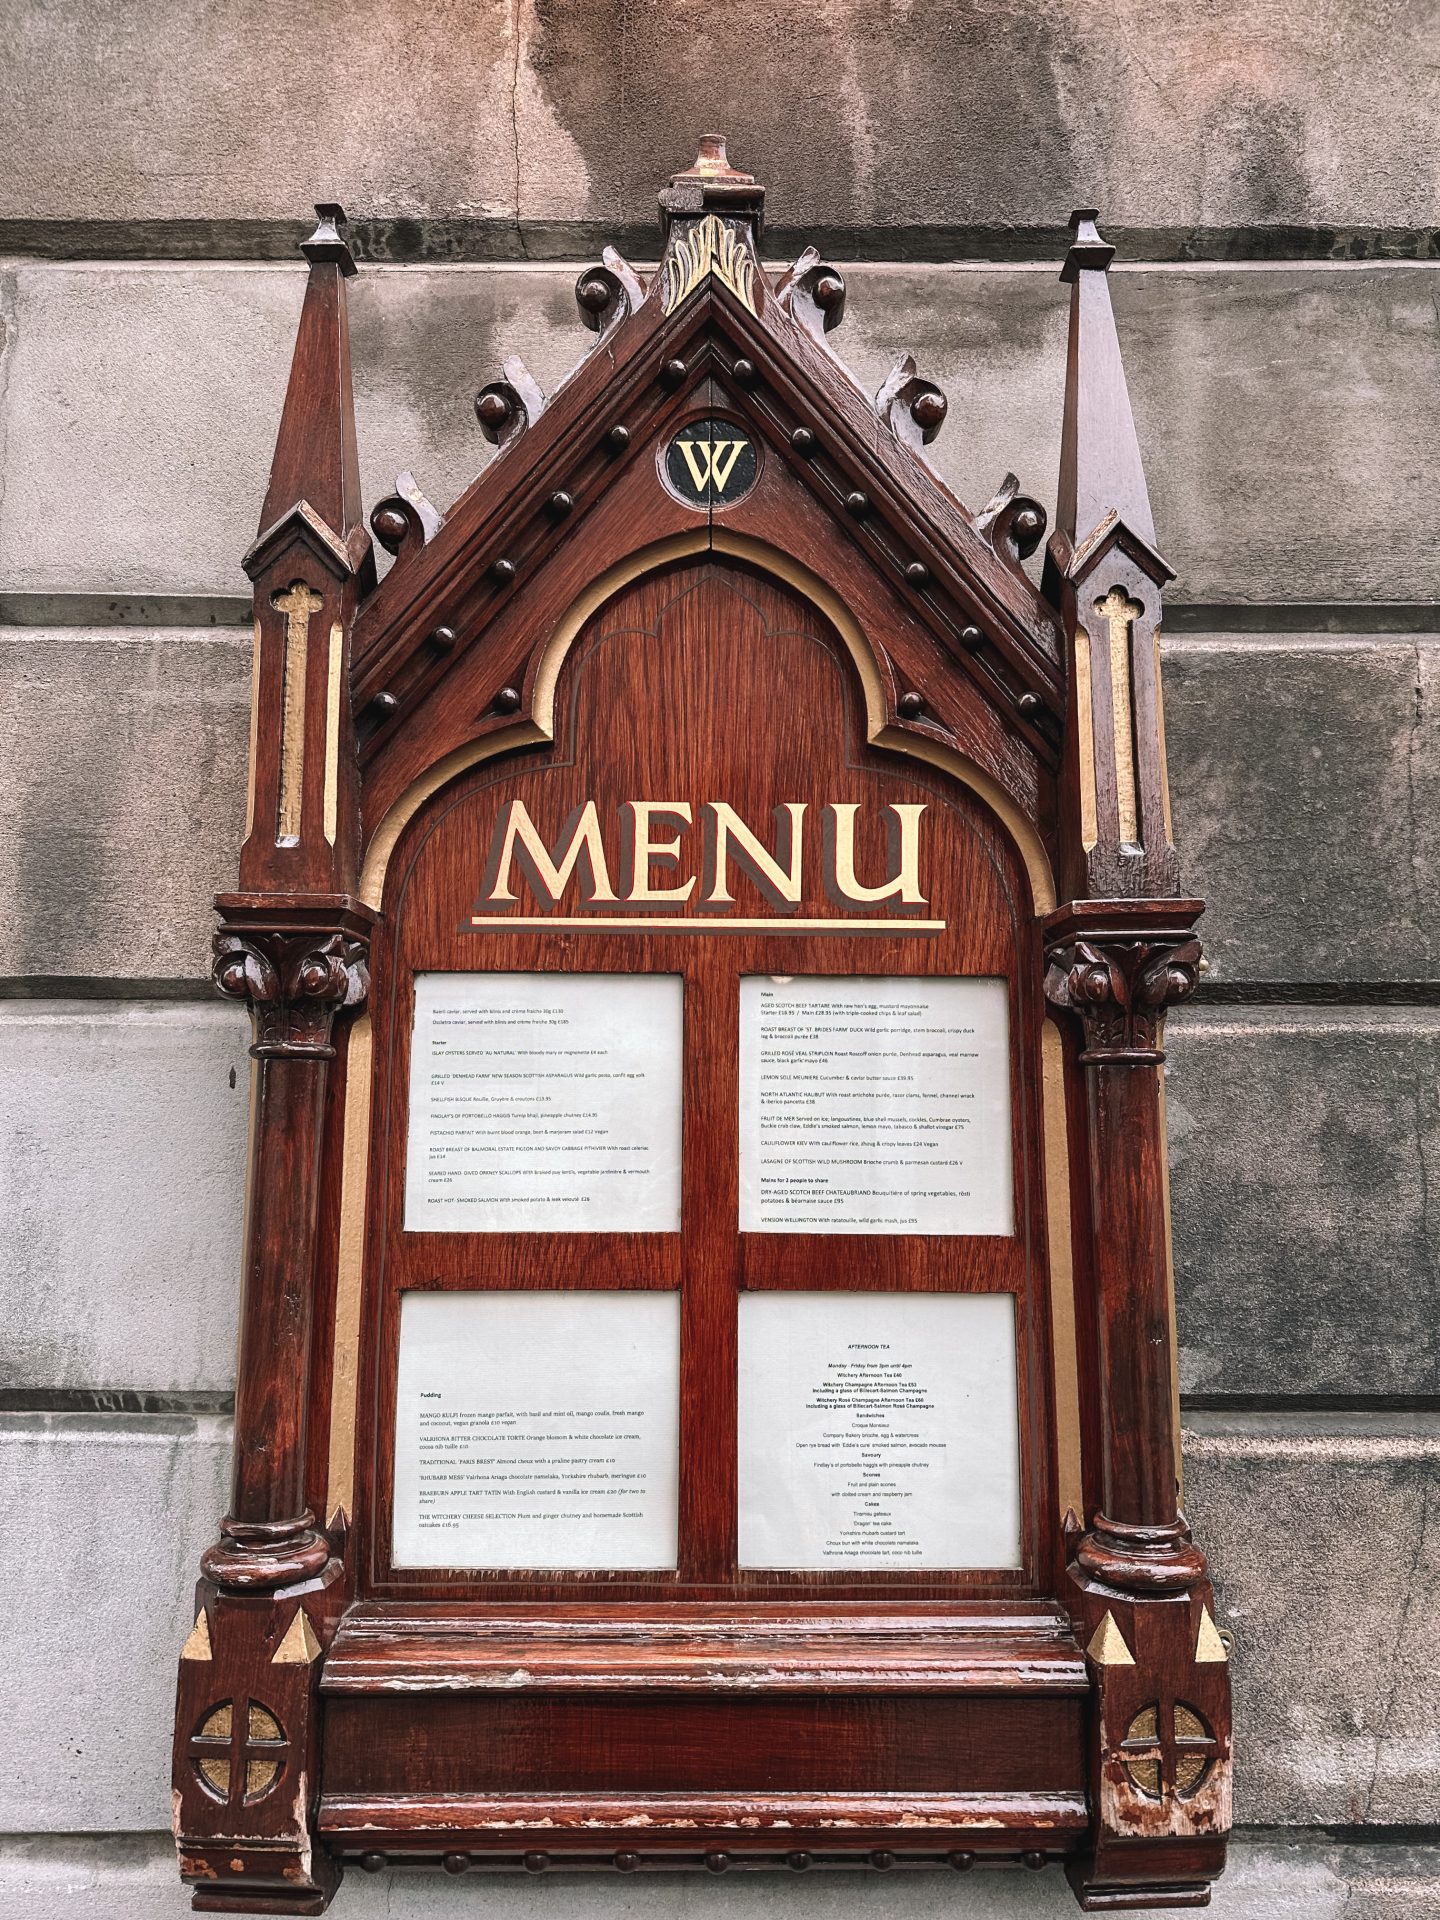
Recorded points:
(1100, 470)
(712, 185)
(315, 455)
(1107, 1646)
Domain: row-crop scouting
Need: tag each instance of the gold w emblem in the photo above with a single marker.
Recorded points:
(711, 461)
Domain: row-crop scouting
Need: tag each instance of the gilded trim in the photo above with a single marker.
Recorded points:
(197, 1646)
(1062, 1272)
(298, 604)
(1119, 611)
(1107, 1646)
(300, 1646)
(254, 733)
(878, 731)
(332, 730)
(1085, 740)
(740, 546)
(1160, 730)
(527, 732)
(1209, 1647)
(1170, 1289)
(709, 247)
(349, 1271)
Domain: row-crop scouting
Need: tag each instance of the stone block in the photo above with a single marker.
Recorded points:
(122, 799)
(102, 1522)
(1303, 1149)
(1305, 782)
(522, 123)
(1284, 449)
(1324, 1544)
(122, 1170)
(1274, 410)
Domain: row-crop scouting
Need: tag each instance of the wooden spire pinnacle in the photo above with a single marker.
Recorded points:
(315, 457)
(1100, 470)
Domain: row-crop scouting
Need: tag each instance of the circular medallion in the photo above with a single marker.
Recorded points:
(710, 463)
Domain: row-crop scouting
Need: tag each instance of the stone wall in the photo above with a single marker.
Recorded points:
(1269, 173)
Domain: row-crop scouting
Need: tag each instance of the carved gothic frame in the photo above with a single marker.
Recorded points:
(370, 695)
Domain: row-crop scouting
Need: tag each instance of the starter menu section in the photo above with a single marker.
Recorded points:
(545, 1103)
(537, 1430)
(875, 1106)
(878, 1431)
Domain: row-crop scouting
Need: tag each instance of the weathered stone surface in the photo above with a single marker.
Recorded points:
(1280, 411)
(1283, 453)
(1323, 1532)
(559, 112)
(102, 1521)
(122, 798)
(158, 390)
(1311, 1877)
(122, 782)
(1304, 1144)
(122, 1165)
(1305, 780)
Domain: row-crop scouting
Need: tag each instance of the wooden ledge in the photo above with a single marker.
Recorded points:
(390, 1649)
(891, 1820)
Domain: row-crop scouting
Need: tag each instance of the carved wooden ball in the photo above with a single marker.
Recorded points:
(929, 410)
(389, 526)
(492, 410)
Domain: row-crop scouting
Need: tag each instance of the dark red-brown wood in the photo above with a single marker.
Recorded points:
(846, 631)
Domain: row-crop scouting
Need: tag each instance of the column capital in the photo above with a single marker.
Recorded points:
(1117, 965)
(296, 962)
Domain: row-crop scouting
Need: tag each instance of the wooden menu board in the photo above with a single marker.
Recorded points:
(706, 1387)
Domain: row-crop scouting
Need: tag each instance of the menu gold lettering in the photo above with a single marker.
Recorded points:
(650, 842)
(727, 837)
(548, 875)
(904, 834)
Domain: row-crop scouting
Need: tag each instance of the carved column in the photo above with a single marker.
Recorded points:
(293, 945)
(1118, 955)
(296, 966)
(1118, 966)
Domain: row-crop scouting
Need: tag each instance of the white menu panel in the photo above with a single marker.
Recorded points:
(878, 1431)
(545, 1103)
(875, 1106)
(537, 1430)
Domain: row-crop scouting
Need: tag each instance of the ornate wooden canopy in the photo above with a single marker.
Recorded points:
(1038, 704)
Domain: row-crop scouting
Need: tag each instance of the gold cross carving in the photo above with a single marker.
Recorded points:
(1120, 613)
(299, 604)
